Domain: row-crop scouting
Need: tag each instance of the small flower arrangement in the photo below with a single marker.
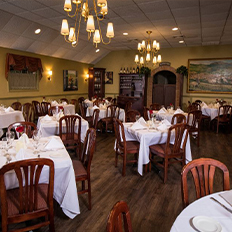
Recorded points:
(171, 106)
(20, 130)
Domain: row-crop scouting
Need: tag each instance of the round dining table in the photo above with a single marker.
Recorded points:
(206, 215)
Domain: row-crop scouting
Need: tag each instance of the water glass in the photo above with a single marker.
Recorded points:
(36, 137)
(137, 117)
(10, 137)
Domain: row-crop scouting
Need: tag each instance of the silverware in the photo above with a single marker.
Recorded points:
(229, 210)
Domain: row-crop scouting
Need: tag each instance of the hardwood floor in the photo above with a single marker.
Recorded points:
(153, 205)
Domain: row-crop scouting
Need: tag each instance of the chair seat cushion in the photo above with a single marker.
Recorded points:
(132, 146)
(79, 169)
(64, 137)
(107, 119)
(13, 199)
(160, 149)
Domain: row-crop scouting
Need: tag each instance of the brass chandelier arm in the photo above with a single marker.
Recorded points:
(105, 43)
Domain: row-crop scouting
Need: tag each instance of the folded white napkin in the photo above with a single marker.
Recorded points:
(64, 103)
(22, 154)
(170, 111)
(210, 105)
(137, 126)
(101, 105)
(9, 109)
(54, 144)
(54, 103)
(162, 127)
(227, 195)
(59, 115)
(162, 111)
(22, 142)
(106, 101)
(179, 111)
(95, 107)
(166, 122)
(94, 100)
(24, 138)
(142, 121)
(86, 100)
(204, 105)
(47, 118)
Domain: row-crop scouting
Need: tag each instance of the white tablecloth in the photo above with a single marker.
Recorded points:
(7, 118)
(51, 127)
(212, 112)
(65, 191)
(102, 113)
(68, 108)
(149, 137)
(204, 207)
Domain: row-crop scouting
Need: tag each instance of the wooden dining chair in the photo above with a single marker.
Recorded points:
(45, 107)
(178, 118)
(155, 106)
(82, 166)
(75, 103)
(27, 110)
(83, 110)
(193, 123)
(111, 111)
(64, 100)
(16, 105)
(203, 171)
(95, 118)
(37, 110)
(32, 199)
(170, 152)
(130, 115)
(22, 127)
(119, 218)
(123, 147)
(198, 101)
(128, 106)
(224, 116)
(70, 138)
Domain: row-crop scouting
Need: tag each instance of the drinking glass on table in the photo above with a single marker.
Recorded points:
(137, 117)
(10, 137)
(36, 137)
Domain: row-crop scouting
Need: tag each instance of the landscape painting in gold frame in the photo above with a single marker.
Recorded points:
(210, 75)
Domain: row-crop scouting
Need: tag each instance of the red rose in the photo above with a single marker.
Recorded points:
(151, 111)
(20, 129)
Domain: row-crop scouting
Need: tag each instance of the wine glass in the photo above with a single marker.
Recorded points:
(10, 137)
(36, 137)
(5, 145)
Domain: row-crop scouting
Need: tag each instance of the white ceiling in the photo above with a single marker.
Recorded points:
(201, 22)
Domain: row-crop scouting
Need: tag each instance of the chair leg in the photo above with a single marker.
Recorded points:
(198, 138)
(89, 195)
(124, 165)
(217, 126)
(51, 218)
(165, 170)
(83, 184)
(116, 159)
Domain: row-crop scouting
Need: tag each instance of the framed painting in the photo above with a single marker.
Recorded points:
(70, 80)
(109, 78)
(210, 75)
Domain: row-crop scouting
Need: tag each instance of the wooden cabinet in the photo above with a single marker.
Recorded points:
(96, 82)
(132, 88)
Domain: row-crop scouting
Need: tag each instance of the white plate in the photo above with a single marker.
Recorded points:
(206, 224)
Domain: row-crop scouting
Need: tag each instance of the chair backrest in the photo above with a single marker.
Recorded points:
(95, 116)
(28, 174)
(27, 110)
(178, 118)
(70, 122)
(198, 101)
(131, 115)
(114, 101)
(83, 109)
(145, 113)
(109, 98)
(196, 106)
(80, 99)
(45, 106)
(119, 136)
(22, 127)
(155, 106)
(203, 171)
(128, 106)
(97, 102)
(111, 111)
(37, 108)
(88, 149)
(64, 100)
(16, 105)
(224, 111)
(180, 132)
(194, 119)
(119, 212)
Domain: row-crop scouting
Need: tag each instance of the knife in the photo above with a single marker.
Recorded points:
(229, 210)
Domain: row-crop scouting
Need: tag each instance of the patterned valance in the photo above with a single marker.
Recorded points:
(19, 63)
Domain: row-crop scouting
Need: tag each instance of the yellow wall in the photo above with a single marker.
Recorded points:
(50, 89)
(176, 56)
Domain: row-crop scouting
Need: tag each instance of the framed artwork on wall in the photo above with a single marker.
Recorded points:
(210, 75)
(70, 78)
(109, 78)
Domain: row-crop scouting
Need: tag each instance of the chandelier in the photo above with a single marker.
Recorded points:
(82, 10)
(148, 50)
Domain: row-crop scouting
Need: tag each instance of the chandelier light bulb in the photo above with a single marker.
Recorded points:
(72, 35)
(154, 44)
(136, 58)
(67, 5)
(141, 60)
(104, 10)
(157, 46)
(139, 46)
(148, 47)
(101, 3)
(154, 60)
(143, 44)
(64, 27)
(96, 37)
(159, 58)
(85, 10)
(90, 24)
(110, 30)
(148, 57)
(76, 1)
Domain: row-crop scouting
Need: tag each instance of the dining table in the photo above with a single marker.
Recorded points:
(206, 215)
(49, 125)
(68, 108)
(65, 191)
(103, 110)
(150, 136)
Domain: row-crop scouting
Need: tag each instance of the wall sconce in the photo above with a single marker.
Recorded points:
(87, 77)
(50, 75)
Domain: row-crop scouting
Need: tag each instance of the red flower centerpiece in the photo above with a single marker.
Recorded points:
(20, 130)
